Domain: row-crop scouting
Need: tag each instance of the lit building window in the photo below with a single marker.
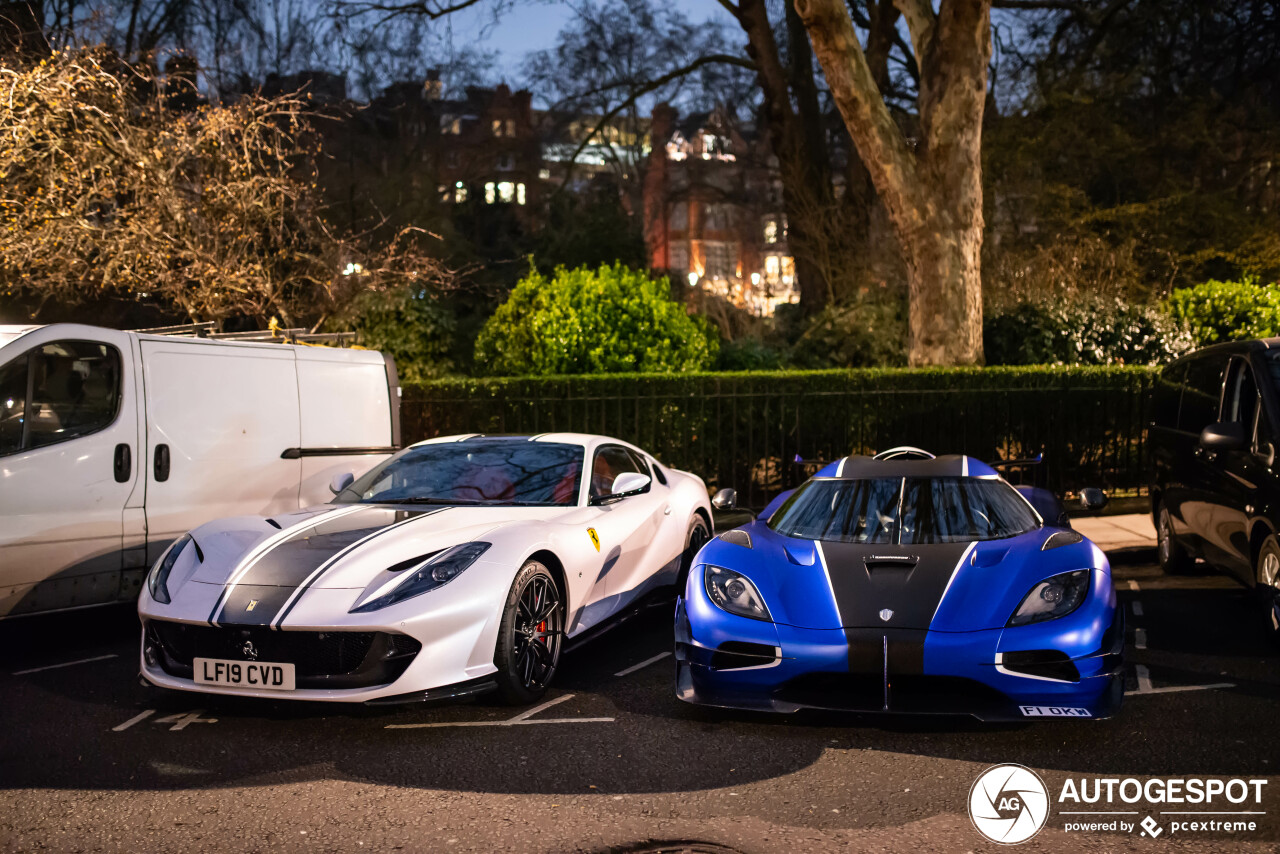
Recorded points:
(771, 268)
(459, 192)
(788, 270)
(497, 127)
(520, 198)
(511, 127)
(771, 231)
(544, 174)
(506, 191)
(490, 194)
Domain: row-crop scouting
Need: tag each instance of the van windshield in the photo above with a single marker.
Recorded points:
(481, 472)
(909, 511)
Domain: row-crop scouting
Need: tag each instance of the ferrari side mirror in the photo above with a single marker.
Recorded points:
(341, 482)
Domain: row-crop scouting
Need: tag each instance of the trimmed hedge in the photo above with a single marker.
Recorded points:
(745, 429)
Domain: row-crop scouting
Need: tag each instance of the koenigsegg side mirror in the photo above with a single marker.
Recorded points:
(1267, 453)
(1092, 498)
(725, 499)
(341, 482)
(1222, 436)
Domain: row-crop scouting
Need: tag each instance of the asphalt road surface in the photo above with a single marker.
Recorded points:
(92, 761)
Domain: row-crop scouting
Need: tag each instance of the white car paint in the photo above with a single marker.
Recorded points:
(71, 535)
(641, 544)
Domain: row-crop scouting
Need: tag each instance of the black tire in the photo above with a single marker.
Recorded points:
(1174, 560)
(530, 636)
(1267, 577)
(697, 536)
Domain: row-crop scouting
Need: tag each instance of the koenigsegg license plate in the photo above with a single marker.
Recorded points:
(244, 674)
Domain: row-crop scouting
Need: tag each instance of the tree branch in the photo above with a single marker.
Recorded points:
(920, 20)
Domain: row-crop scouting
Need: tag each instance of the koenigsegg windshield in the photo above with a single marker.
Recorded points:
(907, 511)
(500, 471)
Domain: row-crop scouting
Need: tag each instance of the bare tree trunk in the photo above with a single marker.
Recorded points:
(932, 191)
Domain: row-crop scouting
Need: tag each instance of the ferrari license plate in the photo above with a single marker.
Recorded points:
(244, 674)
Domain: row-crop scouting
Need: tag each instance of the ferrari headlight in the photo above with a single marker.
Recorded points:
(1052, 598)
(158, 578)
(435, 571)
(734, 593)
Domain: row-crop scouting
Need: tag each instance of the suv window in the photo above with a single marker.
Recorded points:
(1240, 403)
(1166, 396)
(1201, 394)
(610, 461)
(57, 392)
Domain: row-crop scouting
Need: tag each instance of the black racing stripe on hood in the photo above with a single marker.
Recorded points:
(256, 597)
(907, 580)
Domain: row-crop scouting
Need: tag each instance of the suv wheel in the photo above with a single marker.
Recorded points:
(1173, 558)
(1267, 573)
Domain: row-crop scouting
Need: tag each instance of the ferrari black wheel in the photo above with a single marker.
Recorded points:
(1268, 586)
(1173, 559)
(698, 535)
(529, 636)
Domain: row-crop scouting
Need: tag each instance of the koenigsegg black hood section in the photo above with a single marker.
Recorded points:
(264, 586)
(870, 581)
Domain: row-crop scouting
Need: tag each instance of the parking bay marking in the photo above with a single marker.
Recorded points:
(522, 719)
(64, 664)
(642, 665)
(180, 721)
(1144, 684)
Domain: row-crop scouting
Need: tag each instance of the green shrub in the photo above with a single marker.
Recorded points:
(749, 354)
(409, 324)
(1094, 332)
(1227, 311)
(608, 320)
(867, 333)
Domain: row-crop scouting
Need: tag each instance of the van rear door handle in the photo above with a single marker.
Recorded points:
(123, 463)
(161, 467)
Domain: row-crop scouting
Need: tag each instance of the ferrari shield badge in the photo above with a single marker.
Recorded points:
(595, 538)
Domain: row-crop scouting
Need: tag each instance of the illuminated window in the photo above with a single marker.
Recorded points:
(511, 127)
(544, 174)
(520, 198)
(446, 193)
(459, 192)
(489, 193)
(497, 127)
(771, 268)
(506, 191)
(771, 231)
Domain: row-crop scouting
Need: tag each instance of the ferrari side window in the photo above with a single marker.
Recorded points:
(610, 461)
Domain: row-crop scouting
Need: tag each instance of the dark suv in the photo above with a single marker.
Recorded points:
(1215, 490)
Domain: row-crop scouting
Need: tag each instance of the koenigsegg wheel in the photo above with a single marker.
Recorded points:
(529, 636)
(1268, 578)
(1173, 559)
(697, 536)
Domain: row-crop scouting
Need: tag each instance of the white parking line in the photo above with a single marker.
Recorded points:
(642, 665)
(138, 718)
(1144, 684)
(1137, 608)
(522, 719)
(1139, 639)
(64, 664)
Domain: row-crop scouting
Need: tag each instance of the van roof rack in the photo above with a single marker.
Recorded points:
(296, 335)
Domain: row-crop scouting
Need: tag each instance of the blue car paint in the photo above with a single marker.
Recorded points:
(965, 639)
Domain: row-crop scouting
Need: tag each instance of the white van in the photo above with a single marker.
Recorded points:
(114, 443)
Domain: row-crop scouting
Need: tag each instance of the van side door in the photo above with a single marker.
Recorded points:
(68, 467)
(221, 422)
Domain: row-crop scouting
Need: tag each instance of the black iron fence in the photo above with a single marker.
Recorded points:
(745, 430)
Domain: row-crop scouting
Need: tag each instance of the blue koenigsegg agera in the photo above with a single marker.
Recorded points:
(904, 584)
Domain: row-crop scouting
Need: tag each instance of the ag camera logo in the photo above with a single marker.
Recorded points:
(1009, 804)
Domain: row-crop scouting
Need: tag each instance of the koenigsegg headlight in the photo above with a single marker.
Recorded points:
(734, 593)
(1052, 598)
(158, 578)
(435, 571)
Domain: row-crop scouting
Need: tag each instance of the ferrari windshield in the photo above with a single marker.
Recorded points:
(474, 471)
(909, 511)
